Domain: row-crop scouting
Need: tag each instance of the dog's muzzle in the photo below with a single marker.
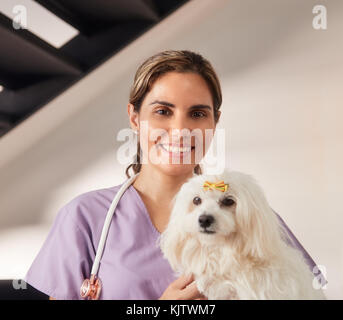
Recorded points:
(205, 221)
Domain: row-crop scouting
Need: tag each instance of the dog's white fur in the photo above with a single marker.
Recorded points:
(247, 257)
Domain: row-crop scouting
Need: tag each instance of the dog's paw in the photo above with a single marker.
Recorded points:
(201, 284)
(224, 292)
(216, 290)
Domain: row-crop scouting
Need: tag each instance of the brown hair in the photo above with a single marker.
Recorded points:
(157, 65)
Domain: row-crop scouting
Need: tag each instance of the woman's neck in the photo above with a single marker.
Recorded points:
(157, 185)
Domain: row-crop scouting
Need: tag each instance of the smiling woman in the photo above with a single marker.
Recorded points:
(183, 105)
(174, 90)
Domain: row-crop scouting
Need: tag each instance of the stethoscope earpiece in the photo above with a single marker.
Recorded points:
(91, 288)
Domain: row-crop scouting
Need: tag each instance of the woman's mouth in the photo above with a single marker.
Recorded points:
(176, 150)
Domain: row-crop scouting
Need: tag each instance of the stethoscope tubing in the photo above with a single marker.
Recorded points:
(108, 219)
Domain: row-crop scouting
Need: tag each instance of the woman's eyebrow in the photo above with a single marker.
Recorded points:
(200, 106)
(164, 103)
(168, 104)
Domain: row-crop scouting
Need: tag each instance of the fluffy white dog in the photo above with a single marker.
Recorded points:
(227, 235)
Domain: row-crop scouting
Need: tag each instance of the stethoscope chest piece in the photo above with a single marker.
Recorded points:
(91, 288)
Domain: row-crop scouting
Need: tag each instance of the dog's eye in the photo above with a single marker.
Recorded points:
(196, 200)
(227, 202)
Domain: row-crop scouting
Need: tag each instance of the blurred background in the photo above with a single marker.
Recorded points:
(64, 87)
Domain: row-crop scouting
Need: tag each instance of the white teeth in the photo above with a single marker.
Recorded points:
(175, 149)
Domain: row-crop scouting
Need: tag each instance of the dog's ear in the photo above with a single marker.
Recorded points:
(172, 242)
(258, 235)
(173, 239)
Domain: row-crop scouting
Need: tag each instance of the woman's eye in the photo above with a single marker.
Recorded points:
(196, 201)
(227, 202)
(199, 114)
(162, 111)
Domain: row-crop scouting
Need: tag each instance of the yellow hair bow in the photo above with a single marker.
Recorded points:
(220, 185)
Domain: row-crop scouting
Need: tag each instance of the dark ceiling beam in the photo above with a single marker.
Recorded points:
(18, 103)
(93, 16)
(166, 7)
(24, 56)
(95, 49)
(5, 123)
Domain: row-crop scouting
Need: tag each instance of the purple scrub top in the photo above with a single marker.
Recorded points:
(132, 265)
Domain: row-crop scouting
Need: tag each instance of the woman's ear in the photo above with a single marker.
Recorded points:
(219, 113)
(133, 117)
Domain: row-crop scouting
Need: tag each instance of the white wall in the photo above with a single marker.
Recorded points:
(282, 111)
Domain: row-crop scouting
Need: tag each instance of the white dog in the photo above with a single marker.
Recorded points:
(227, 235)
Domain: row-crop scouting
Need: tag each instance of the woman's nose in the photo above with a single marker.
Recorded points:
(179, 122)
(179, 128)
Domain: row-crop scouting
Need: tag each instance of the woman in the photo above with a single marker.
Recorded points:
(171, 90)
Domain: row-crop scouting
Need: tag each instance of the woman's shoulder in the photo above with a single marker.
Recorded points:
(88, 209)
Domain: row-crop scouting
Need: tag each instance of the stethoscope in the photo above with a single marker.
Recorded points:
(91, 288)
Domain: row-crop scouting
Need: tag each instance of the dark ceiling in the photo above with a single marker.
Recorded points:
(33, 72)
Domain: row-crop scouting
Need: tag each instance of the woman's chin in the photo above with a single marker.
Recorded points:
(177, 169)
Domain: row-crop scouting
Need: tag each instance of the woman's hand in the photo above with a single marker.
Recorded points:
(183, 288)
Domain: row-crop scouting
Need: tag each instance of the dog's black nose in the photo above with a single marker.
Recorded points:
(205, 220)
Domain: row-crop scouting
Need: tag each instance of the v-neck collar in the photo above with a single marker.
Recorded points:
(144, 209)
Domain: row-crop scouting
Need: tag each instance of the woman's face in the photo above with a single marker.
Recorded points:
(175, 101)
